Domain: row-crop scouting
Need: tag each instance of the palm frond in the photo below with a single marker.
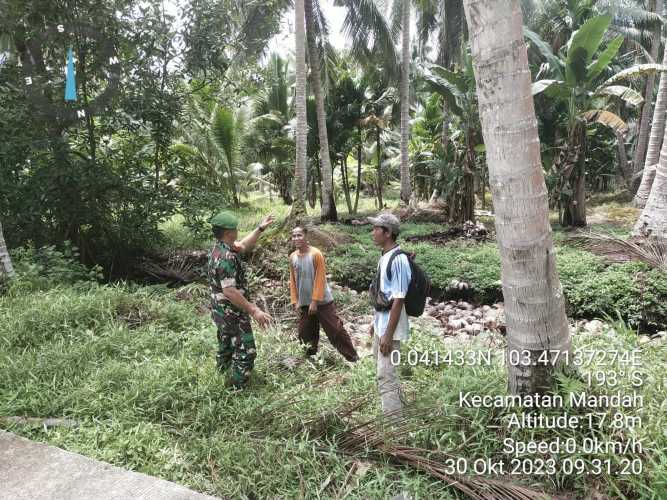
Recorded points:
(382, 439)
(650, 251)
(224, 131)
(370, 34)
(427, 21)
(260, 23)
(631, 14)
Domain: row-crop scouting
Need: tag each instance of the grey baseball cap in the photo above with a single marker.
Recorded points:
(390, 221)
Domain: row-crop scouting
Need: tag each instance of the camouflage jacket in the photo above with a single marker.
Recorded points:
(225, 268)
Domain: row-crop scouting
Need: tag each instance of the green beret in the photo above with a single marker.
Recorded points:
(225, 220)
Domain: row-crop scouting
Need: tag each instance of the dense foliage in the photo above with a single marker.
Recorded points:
(197, 114)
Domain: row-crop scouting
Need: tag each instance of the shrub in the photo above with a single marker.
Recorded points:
(477, 265)
(592, 288)
(354, 265)
(46, 267)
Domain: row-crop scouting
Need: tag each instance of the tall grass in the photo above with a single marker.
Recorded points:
(134, 366)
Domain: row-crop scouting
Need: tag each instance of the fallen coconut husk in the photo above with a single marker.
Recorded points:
(463, 319)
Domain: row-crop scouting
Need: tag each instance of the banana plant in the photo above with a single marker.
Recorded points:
(458, 89)
(577, 79)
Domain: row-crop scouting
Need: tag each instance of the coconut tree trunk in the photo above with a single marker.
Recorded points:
(534, 305)
(467, 212)
(328, 212)
(444, 135)
(346, 185)
(641, 197)
(647, 109)
(6, 268)
(652, 222)
(359, 152)
(379, 175)
(655, 141)
(574, 178)
(299, 204)
(318, 182)
(314, 181)
(405, 102)
(623, 166)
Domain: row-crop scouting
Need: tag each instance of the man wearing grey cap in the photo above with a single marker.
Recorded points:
(390, 324)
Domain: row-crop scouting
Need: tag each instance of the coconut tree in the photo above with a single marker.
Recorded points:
(652, 222)
(372, 43)
(535, 310)
(270, 137)
(370, 35)
(209, 146)
(655, 140)
(377, 113)
(406, 189)
(299, 205)
(6, 268)
(226, 130)
(577, 82)
(647, 109)
(328, 212)
(445, 21)
(345, 112)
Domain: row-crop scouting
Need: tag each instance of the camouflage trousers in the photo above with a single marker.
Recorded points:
(236, 346)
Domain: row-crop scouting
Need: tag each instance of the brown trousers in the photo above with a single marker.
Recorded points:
(309, 331)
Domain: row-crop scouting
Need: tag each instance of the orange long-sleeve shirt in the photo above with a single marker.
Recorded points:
(308, 278)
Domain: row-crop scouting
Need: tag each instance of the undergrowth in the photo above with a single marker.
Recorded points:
(592, 287)
(135, 367)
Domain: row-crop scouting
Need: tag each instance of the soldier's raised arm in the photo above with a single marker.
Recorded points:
(246, 244)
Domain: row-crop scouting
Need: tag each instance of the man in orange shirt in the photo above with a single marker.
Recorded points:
(312, 299)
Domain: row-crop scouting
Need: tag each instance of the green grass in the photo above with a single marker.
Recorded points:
(135, 367)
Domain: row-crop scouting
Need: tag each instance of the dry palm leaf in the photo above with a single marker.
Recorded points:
(649, 251)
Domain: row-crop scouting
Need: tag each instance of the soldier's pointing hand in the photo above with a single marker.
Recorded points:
(266, 221)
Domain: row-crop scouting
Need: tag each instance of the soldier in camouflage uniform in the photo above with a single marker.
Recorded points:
(230, 306)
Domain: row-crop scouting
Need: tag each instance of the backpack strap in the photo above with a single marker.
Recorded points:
(391, 261)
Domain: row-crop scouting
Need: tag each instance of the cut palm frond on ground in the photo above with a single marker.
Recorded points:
(651, 252)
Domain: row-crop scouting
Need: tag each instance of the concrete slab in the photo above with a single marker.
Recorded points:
(35, 471)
